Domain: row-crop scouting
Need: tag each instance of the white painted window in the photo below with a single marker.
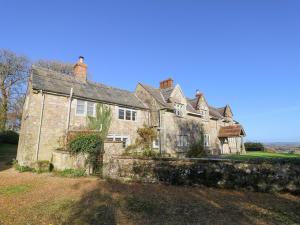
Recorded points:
(121, 114)
(80, 108)
(91, 109)
(84, 108)
(179, 109)
(119, 138)
(156, 143)
(206, 140)
(127, 114)
(182, 141)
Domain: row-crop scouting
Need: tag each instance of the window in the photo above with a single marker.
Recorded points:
(182, 141)
(206, 140)
(127, 114)
(121, 114)
(80, 108)
(119, 138)
(90, 109)
(156, 143)
(179, 109)
(84, 108)
(133, 115)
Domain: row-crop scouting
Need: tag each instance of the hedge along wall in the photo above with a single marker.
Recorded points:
(253, 176)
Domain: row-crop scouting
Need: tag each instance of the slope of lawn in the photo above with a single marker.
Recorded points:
(28, 198)
(263, 155)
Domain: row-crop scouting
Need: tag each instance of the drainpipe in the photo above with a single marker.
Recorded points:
(69, 109)
(40, 126)
(159, 125)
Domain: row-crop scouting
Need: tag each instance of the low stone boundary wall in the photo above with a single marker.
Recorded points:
(64, 160)
(254, 176)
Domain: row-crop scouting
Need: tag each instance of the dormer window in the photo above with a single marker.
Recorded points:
(179, 109)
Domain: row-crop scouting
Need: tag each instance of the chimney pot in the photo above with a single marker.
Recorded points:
(198, 93)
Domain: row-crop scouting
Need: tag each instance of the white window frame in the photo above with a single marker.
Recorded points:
(179, 109)
(85, 108)
(94, 108)
(122, 137)
(182, 140)
(125, 112)
(206, 140)
(155, 143)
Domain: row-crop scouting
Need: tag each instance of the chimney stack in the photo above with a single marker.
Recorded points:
(80, 70)
(166, 83)
(198, 93)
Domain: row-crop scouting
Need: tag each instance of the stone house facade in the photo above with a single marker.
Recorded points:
(57, 103)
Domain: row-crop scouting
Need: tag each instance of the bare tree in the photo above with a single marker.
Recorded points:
(14, 70)
(55, 65)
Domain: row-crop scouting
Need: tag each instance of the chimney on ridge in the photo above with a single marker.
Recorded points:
(80, 70)
(198, 93)
(166, 83)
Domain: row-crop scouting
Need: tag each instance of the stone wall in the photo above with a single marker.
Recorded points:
(64, 160)
(254, 176)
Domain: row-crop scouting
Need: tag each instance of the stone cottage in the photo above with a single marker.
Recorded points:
(58, 103)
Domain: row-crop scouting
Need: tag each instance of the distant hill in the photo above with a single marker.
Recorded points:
(286, 147)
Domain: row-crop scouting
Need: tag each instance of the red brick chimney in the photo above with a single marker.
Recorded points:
(80, 70)
(166, 83)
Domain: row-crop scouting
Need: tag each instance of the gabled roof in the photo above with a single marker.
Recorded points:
(155, 93)
(231, 131)
(214, 112)
(51, 81)
(167, 93)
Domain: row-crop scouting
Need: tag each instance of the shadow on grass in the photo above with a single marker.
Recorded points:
(8, 152)
(119, 203)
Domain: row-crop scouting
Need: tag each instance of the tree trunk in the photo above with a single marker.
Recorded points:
(4, 108)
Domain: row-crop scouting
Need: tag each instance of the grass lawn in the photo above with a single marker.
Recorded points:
(29, 198)
(263, 155)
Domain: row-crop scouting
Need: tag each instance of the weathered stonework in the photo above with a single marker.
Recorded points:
(50, 113)
(251, 175)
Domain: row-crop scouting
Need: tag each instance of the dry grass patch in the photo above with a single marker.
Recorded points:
(55, 200)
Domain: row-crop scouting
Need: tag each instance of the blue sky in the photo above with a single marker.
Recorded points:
(245, 53)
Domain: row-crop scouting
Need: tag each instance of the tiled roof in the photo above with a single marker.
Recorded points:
(156, 93)
(51, 81)
(231, 131)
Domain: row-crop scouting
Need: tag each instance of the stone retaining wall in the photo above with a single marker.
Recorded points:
(254, 176)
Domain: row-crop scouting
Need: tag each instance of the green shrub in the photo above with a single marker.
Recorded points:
(196, 150)
(150, 153)
(254, 146)
(87, 144)
(22, 169)
(70, 173)
(9, 137)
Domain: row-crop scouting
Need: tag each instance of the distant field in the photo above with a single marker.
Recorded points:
(263, 155)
